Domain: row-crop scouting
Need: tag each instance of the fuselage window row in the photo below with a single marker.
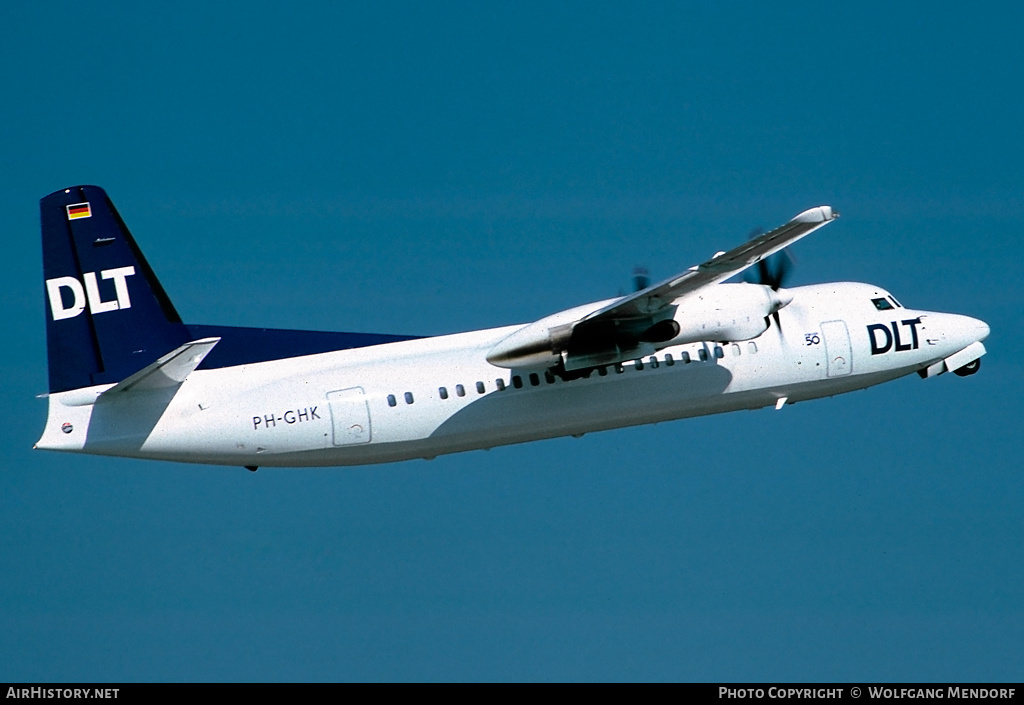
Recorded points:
(653, 362)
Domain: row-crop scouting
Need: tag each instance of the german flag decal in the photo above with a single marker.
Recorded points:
(79, 210)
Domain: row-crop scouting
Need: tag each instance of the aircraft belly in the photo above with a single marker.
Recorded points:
(493, 422)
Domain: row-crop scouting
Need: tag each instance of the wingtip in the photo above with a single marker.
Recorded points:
(819, 214)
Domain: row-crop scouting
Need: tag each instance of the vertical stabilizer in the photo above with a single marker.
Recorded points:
(107, 316)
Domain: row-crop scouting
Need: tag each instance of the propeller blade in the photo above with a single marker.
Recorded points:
(641, 278)
(771, 271)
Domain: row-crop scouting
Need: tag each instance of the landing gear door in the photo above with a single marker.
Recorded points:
(838, 352)
(350, 416)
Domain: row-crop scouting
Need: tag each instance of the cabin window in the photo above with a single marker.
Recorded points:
(408, 398)
(669, 360)
(719, 353)
(517, 381)
(534, 379)
(548, 377)
(752, 346)
(460, 390)
(391, 400)
(602, 371)
(685, 357)
(500, 384)
(882, 304)
(443, 392)
(735, 349)
(619, 369)
(480, 388)
(703, 354)
(639, 364)
(654, 362)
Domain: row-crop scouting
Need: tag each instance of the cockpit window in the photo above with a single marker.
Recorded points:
(893, 299)
(882, 304)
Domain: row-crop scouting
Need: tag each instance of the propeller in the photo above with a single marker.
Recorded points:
(771, 271)
(641, 278)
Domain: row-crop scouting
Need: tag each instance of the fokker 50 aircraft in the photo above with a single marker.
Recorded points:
(128, 378)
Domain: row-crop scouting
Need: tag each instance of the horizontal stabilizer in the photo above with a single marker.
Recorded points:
(169, 371)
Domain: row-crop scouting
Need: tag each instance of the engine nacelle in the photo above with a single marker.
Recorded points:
(727, 313)
(540, 343)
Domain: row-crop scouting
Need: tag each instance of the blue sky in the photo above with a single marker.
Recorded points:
(433, 167)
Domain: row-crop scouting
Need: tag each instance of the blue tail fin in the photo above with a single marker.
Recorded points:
(107, 315)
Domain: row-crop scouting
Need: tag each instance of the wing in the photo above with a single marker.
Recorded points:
(613, 331)
(717, 269)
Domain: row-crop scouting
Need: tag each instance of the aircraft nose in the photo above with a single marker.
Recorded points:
(965, 329)
(973, 328)
(981, 329)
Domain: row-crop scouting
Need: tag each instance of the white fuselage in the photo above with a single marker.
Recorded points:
(426, 397)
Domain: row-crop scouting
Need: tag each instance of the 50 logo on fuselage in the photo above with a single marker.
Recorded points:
(88, 294)
(885, 338)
